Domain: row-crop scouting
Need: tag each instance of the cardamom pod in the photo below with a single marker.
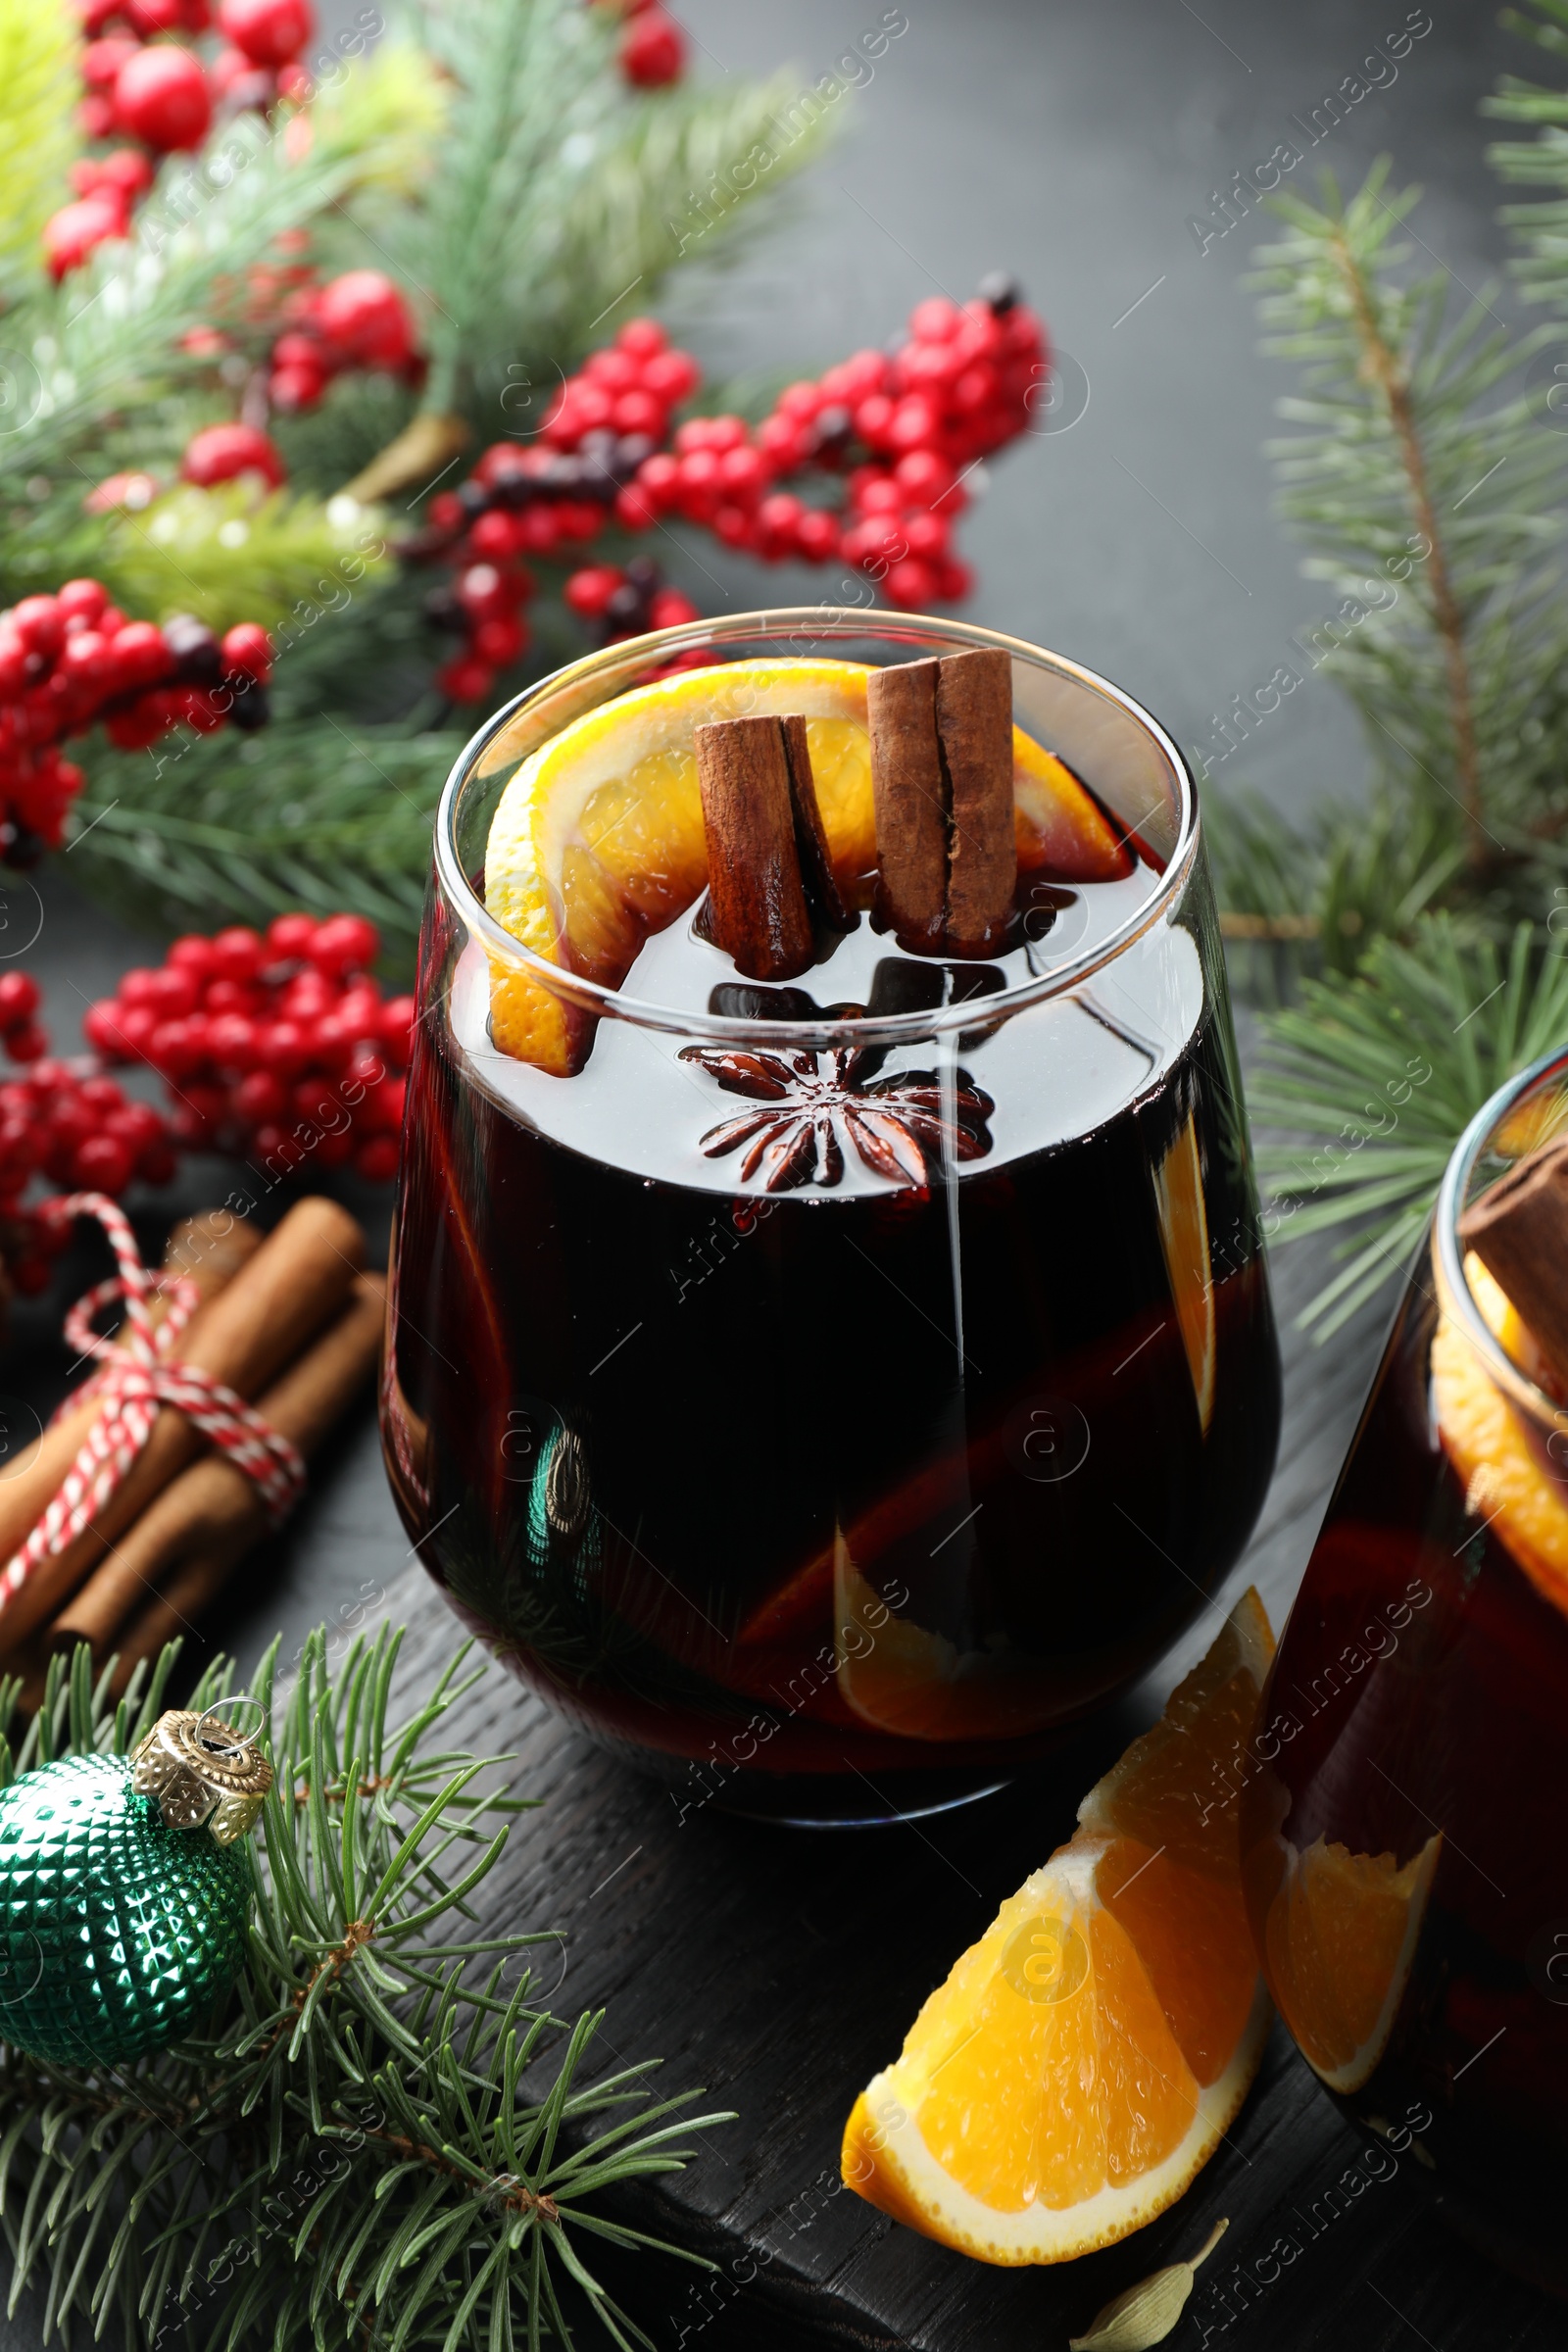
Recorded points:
(1144, 2313)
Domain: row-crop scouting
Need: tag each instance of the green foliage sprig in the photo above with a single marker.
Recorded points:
(1371, 1081)
(388, 2139)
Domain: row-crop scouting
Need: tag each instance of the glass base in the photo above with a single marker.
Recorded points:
(818, 1802)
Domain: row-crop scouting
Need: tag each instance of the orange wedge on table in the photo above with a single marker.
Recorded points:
(1084, 2059)
(597, 838)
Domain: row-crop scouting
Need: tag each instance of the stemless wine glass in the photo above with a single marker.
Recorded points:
(1406, 1815)
(838, 1501)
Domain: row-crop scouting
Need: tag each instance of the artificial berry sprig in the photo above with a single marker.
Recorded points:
(880, 446)
(64, 1123)
(72, 658)
(280, 1047)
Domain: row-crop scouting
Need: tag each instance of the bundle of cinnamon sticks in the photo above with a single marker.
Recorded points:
(292, 1323)
(943, 792)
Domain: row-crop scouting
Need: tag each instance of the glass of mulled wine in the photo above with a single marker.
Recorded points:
(824, 1391)
(1405, 1811)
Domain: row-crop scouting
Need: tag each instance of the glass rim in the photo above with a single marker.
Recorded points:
(836, 621)
(1454, 1287)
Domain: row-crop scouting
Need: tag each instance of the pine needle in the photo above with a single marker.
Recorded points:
(386, 2138)
(1371, 1081)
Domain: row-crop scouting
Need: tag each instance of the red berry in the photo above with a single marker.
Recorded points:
(103, 1164)
(296, 387)
(19, 998)
(238, 954)
(910, 584)
(171, 991)
(283, 1047)
(376, 1159)
(590, 590)
(19, 1152)
(82, 600)
(39, 624)
(177, 1047)
(290, 936)
(149, 717)
(345, 942)
(26, 1042)
(231, 1040)
(161, 97)
(248, 649)
(102, 60)
(260, 1098)
(364, 317)
(192, 954)
(641, 338)
(484, 592)
(13, 666)
(126, 171)
(817, 535)
(270, 32)
(652, 50)
(497, 537)
(157, 1162)
(501, 641)
(467, 680)
(222, 452)
(638, 412)
(138, 655)
(669, 610)
(671, 377)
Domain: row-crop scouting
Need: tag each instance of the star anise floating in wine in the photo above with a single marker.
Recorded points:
(903, 1126)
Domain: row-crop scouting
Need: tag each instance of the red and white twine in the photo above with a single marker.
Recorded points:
(139, 1375)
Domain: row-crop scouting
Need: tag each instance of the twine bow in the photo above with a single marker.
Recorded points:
(139, 1375)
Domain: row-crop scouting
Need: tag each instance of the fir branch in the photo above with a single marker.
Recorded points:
(311, 813)
(225, 555)
(40, 84)
(107, 337)
(386, 2138)
(1542, 161)
(1372, 1080)
(1337, 883)
(1430, 502)
(555, 188)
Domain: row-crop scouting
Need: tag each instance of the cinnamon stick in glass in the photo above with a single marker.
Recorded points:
(295, 1283)
(187, 1544)
(942, 795)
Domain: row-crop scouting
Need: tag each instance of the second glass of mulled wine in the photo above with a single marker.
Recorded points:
(1405, 1810)
(830, 1350)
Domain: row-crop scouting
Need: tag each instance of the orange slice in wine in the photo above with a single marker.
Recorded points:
(1340, 1937)
(1085, 2058)
(1498, 1460)
(597, 838)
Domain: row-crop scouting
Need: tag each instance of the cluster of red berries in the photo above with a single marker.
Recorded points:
(280, 1047)
(69, 660)
(881, 442)
(356, 321)
(145, 83)
(898, 427)
(626, 600)
(67, 1123)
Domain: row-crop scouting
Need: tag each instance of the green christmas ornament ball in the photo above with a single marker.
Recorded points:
(118, 1931)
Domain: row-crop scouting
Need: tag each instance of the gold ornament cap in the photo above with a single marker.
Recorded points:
(203, 1774)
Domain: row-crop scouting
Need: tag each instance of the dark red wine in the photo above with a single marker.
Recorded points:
(1415, 1721)
(848, 1497)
